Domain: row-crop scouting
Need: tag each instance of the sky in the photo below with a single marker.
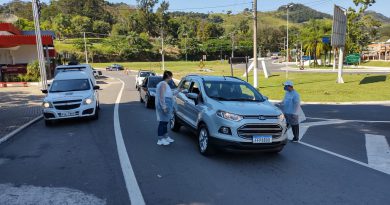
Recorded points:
(205, 6)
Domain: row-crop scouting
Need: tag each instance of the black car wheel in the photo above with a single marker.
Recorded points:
(205, 148)
(175, 124)
(148, 103)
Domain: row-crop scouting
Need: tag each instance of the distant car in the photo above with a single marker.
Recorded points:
(97, 73)
(142, 74)
(115, 67)
(147, 91)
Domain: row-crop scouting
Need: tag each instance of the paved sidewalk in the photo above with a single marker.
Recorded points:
(18, 105)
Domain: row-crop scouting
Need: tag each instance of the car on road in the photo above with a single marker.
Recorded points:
(142, 74)
(72, 94)
(78, 67)
(114, 67)
(228, 113)
(147, 91)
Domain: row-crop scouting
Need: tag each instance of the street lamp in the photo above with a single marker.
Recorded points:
(287, 51)
(185, 42)
(41, 58)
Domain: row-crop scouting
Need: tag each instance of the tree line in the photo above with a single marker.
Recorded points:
(121, 32)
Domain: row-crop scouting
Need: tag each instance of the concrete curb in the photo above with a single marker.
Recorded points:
(13, 133)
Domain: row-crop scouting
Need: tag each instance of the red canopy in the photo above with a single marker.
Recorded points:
(12, 41)
(10, 28)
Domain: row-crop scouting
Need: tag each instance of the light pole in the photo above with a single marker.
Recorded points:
(85, 49)
(255, 44)
(185, 42)
(287, 51)
(162, 50)
(41, 59)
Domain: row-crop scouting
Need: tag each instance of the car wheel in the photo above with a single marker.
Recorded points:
(205, 148)
(175, 124)
(96, 115)
(147, 102)
(48, 123)
(140, 99)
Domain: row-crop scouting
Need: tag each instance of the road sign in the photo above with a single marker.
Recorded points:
(306, 58)
(326, 40)
(339, 27)
(353, 58)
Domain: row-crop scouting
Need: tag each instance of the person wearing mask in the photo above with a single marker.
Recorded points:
(164, 108)
(291, 106)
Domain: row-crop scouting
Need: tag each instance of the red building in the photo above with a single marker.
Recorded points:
(18, 48)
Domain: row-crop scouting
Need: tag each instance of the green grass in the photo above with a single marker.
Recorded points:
(377, 63)
(313, 87)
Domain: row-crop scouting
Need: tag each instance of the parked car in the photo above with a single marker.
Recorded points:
(97, 73)
(115, 67)
(228, 113)
(142, 74)
(72, 94)
(147, 92)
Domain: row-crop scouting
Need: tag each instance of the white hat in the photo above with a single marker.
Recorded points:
(288, 83)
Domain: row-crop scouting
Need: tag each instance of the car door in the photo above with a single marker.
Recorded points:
(194, 108)
(181, 100)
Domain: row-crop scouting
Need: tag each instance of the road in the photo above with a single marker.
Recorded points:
(78, 161)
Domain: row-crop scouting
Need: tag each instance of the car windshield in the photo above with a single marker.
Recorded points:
(70, 85)
(144, 74)
(232, 91)
(153, 81)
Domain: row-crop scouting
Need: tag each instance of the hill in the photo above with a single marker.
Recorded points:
(300, 13)
(380, 17)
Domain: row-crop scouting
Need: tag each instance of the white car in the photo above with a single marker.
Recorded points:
(72, 94)
(142, 74)
(80, 67)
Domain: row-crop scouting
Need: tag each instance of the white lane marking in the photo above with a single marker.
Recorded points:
(363, 121)
(133, 189)
(13, 133)
(18, 195)
(341, 156)
(378, 152)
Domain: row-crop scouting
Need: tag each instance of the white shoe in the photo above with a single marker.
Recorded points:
(169, 139)
(162, 142)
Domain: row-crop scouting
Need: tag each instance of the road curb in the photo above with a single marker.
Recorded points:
(13, 133)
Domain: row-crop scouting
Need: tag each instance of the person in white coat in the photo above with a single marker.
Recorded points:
(291, 107)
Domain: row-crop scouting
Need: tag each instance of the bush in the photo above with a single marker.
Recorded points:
(33, 74)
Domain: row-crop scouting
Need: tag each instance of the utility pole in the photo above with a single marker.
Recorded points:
(41, 59)
(287, 52)
(232, 36)
(85, 49)
(185, 42)
(255, 44)
(162, 50)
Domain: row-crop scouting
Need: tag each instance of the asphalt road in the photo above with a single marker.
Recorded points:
(82, 156)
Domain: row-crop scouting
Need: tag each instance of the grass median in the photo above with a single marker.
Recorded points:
(313, 87)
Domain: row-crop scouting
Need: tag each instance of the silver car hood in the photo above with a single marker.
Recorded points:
(248, 108)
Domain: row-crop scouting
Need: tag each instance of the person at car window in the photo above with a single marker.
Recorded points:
(164, 108)
(291, 105)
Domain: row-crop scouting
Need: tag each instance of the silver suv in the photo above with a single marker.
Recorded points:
(228, 113)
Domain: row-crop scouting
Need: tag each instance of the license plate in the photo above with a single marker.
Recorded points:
(262, 139)
(67, 114)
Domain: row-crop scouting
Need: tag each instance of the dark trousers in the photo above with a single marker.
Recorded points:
(162, 128)
(295, 131)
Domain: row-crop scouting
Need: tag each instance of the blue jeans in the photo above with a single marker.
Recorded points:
(162, 128)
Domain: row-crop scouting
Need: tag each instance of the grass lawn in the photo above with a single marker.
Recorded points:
(376, 63)
(313, 87)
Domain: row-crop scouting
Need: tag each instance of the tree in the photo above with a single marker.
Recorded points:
(24, 24)
(62, 25)
(147, 17)
(361, 29)
(81, 24)
(101, 27)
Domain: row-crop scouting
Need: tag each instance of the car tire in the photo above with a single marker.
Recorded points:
(140, 99)
(96, 115)
(205, 148)
(175, 124)
(48, 123)
(147, 102)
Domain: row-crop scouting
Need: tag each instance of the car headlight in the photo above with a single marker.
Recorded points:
(229, 116)
(88, 101)
(281, 118)
(47, 105)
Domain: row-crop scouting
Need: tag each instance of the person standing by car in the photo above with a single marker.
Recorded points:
(291, 107)
(164, 108)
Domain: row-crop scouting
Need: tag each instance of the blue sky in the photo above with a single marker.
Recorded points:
(382, 6)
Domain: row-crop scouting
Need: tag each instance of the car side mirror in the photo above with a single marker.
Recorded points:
(265, 98)
(96, 87)
(194, 97)
(44, 91)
